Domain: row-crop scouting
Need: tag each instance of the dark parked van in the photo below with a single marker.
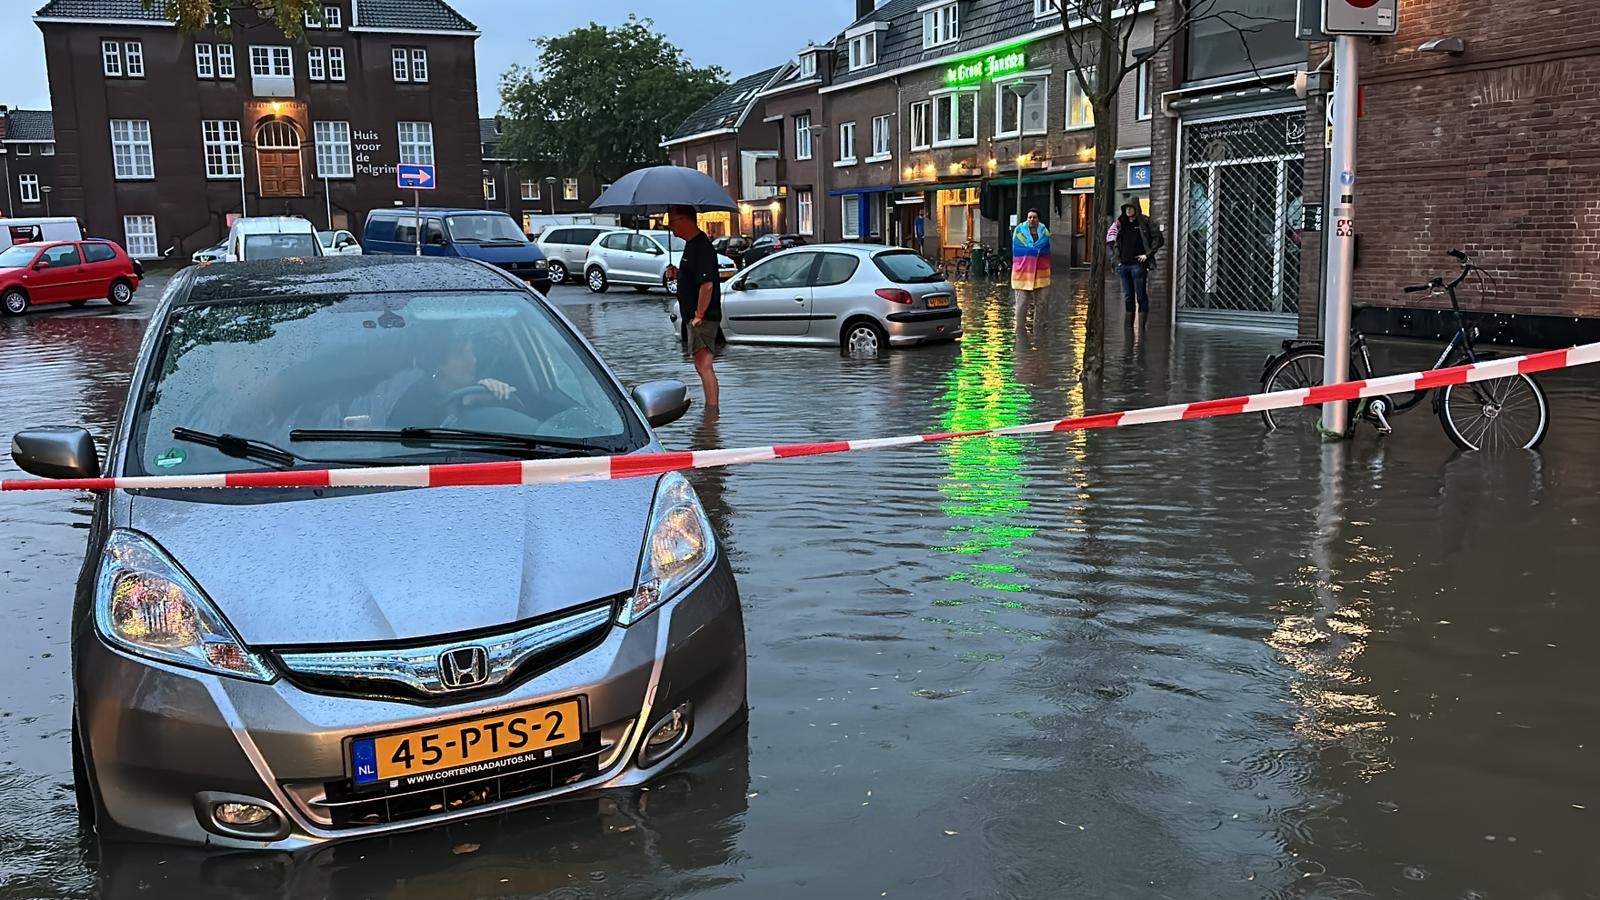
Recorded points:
(482, 234)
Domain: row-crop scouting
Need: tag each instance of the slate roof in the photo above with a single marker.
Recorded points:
(489, 136)
(30, 125)
(433, 15)
(982, 22)
(727, 109)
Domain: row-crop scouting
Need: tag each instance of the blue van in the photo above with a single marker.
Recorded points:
(484, 234)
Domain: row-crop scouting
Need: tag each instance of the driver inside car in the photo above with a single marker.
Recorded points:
(449, 366)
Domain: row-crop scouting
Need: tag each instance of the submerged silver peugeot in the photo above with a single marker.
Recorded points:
(274, 668)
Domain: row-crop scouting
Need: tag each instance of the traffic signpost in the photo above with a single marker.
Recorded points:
(418, 178)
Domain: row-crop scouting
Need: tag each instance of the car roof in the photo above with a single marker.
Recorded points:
(435, 211)
(276, 278)
(867, 250)
(272, 224)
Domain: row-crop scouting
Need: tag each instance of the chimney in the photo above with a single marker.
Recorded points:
(864, 8)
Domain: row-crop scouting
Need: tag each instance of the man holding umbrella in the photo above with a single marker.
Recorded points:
(699, 295)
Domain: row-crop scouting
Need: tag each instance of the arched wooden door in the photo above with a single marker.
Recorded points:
(278, 159)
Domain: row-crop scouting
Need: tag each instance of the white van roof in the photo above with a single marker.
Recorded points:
(272, 225)
(40, 220)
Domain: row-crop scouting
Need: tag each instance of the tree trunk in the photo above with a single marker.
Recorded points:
(1104, 98)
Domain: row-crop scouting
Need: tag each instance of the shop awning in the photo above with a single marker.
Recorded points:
(860, 190)
(910, 201)
(1029, 178)
(935, 186)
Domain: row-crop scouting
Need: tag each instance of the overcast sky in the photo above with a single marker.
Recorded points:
(742, 36)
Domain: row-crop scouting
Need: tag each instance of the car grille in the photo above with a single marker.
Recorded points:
(341, 806)
(413, 672)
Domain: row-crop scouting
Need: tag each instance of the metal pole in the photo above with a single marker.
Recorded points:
(327, 195)
(1019, 95)
(418, 194)
(243, 210)
(1341, 205)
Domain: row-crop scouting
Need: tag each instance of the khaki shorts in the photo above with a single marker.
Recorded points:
(702, 336)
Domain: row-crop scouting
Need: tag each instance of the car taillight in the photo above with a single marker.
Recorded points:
(894, 295)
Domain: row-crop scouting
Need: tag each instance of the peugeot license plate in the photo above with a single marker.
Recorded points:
(466, 746)
(938, 301)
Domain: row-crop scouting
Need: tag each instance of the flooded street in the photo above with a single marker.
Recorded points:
(1184, 660)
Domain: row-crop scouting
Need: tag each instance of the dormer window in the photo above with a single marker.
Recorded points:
(863, 51)
(941, 24)
(808, 65)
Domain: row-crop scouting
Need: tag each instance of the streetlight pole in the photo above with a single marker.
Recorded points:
(1021, 89)
(1341, 201)
(550, 183)
(46, 191)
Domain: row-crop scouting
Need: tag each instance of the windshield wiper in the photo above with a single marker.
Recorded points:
(453, 435)
(238, 447)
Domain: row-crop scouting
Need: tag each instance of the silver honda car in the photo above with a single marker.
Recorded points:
(274, 668)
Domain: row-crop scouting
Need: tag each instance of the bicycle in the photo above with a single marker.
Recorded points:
(1510, 412)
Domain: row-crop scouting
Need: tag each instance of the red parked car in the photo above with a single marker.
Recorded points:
(72, 272)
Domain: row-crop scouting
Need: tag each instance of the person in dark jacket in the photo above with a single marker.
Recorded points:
(1137, 242)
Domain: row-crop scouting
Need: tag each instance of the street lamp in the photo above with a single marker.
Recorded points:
(1021, 89)
(46, 191)
(550, 180)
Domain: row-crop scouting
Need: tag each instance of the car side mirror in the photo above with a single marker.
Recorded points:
(662, 402)
(58, 452)
(40, 265)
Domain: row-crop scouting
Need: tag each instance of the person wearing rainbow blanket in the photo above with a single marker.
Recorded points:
(1030, 257)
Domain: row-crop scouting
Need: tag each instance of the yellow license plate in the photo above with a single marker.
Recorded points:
(938, 301)
(486, 744)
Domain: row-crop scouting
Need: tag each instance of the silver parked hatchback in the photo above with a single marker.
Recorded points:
(272, 668)
(860, 297)
(567, 248)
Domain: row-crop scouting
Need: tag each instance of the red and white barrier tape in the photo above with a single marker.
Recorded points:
(601, 468)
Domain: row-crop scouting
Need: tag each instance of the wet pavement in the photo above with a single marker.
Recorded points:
(1184, 660)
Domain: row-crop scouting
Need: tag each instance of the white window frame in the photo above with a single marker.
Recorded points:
(225, 61)
(805, 221)
(332, 141)
(23, 149)
(136, 137)
(808, 65)
(702, 164)
(417, 149)
(316, 63)
(279, 61)
(48, 149)
(864, 51)
(530, 189)
(489, 188)
(882, 139)
(419, 65)
(1075, 97)
(726, 178)
(111, 58)
(336, 70)
(803, 145)
(941, 24)
(954, 95)
(332, 16)
(133, 58)
(569, 189)
(1141, 107)
(922, 120)
(28, 186)
(847, 142)
(400, 64)
(846, 202)
(311, 20)
(1046, 8)
(223, 148)
(139, 237)
(1003, 99)
(205, 63)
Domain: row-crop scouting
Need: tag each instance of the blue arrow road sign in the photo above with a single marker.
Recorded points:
(415, 177)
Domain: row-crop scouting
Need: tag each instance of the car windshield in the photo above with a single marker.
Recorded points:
(279, 246)
(263, 368)
(906, 267)
(662, 237)
(17, 257)
(485, 229)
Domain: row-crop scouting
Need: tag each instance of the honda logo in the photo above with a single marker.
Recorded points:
(463, 667)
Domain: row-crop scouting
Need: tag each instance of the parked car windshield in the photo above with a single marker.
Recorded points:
(279, 246)
(484, 229)
(17, 257)
(662, 237)
(906, 267)
(260, 369)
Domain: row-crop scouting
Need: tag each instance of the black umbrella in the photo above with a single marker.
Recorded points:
(645, 191)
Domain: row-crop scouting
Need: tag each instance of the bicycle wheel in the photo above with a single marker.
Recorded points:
(1499, 414)
(1295, 370)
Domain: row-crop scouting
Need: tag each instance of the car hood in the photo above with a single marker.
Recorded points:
(722, 261)
(400, 565)
(502, 254)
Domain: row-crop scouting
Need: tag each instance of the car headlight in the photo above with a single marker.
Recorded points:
(146, 605)
(678, 546)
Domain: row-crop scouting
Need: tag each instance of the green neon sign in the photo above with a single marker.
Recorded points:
(994, 65)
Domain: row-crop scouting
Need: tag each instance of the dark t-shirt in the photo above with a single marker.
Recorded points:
(1130, 241)
(699, 266)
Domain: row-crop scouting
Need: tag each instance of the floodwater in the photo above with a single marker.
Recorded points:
(1188, 660)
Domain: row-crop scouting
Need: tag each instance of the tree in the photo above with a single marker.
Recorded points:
(193, 15)
(600, 99)
(1098, 36)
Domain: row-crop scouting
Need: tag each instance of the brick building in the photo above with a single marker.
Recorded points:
(28, 158)
(533, 193)
(726, 141)
(163, 138)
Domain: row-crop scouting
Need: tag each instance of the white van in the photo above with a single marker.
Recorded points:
(38, 228)
(272, 237)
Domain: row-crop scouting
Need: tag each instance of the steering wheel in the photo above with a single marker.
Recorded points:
(456, 400)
